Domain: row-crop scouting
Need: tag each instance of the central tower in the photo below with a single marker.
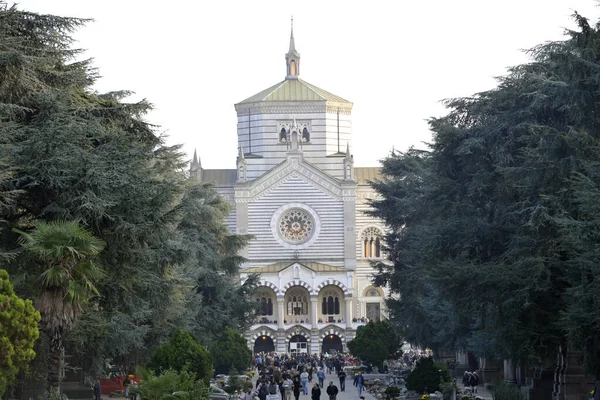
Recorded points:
(265, 121)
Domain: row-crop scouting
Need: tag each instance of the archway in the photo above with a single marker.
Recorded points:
(332, 344)
(263, 344)
(298, 344)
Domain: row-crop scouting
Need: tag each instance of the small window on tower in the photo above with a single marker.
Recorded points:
(293, 68)
(282, 136)
(305, 135)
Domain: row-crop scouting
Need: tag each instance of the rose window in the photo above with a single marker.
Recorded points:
(296, 226)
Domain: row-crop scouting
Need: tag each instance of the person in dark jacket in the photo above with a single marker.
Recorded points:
(342, 376)
(97, 390)
(359, 382)
(297, 385)
(332, 391)
(316, 392)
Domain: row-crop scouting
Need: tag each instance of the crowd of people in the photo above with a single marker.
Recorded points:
(289, 376)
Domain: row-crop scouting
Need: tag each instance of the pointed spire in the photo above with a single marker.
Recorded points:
(241, 153)
(195, 160)
(292, 44)
(347, 149)
(292, 58)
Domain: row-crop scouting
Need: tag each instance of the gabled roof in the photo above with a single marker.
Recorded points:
(280, 266)
(294, 90)
(220, 177)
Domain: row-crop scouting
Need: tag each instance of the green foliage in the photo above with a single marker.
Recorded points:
(494, 228)
(391, 392)
(506, 391)
(234, 383)
(66, 277)
(427, 376)
(230, 350)
(183, 352)
(170, 385)
(70, 153)
(375, 342)
(18, 332)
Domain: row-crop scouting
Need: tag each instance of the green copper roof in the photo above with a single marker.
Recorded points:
(294, 90)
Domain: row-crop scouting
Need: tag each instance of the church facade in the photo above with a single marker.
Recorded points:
(296, 191)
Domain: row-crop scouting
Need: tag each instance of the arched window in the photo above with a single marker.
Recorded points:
(283, 136)
(297, 304)
(265, 303)
(292, 68)
(305, 135)
(330, 304)
(371, 242)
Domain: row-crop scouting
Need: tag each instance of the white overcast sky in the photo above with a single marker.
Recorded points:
(395, 60)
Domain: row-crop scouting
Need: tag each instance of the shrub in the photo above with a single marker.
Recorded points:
(506, 391)
(230, 350)
(427, 376)
(169, 384)
(183, 352)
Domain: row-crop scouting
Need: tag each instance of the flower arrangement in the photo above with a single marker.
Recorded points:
(425, 397)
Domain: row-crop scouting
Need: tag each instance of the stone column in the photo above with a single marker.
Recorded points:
(241, 223)
(313, 311)
(349, 200)
(509, 371)
(349, 312)
(280, 314)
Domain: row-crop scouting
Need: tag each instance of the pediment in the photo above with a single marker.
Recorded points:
(293, 167)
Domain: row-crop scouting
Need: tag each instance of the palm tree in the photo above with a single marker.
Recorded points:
(65, 253)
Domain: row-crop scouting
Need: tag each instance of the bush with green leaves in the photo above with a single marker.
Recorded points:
(183, 352)
(375, 342)
(170, 384)
(427, 376)
(506, 391)
(230, 351)
(18, 332)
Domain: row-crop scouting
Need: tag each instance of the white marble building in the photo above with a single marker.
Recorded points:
(296, 190)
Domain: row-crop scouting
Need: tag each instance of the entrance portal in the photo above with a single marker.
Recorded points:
(332, 344)
(263, 344)
(298, 344)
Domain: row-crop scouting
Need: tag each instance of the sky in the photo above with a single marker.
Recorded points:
(395, 60)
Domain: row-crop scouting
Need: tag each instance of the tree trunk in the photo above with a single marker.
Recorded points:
(55, 362)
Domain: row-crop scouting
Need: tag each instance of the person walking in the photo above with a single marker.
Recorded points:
(297, 388)
(465, 379)
(474, 381)
(321, 376)
(97, 390)
(316, 392)
(359, 382)
(304, 381)
(332, 391)
(342, 377)
(287, 388)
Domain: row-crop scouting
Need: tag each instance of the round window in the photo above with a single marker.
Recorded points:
(296, 226)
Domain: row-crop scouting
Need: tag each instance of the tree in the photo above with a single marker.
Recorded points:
(18, 332)
(230, 350)
(183, 352)
(74, 154)
(375, 342)
(427, 376)
(493, 229)
(67, 275)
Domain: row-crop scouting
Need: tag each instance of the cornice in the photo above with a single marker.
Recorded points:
(293, 107)
(294, 167)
